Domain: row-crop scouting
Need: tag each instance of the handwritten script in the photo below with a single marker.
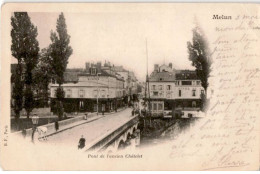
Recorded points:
(228, 136)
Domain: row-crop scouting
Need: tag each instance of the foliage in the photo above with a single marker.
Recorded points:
(60, 50)
(23, 33)
(25, 48)
(60, 94)
(203, 105)
(199, 55)
(28, 100)
(43, 75)
(17, 94)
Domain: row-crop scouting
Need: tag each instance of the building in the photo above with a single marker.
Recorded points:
(174, 91)
(131, 82)
(95, 84)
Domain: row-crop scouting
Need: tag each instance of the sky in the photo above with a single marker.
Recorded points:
(120, 37)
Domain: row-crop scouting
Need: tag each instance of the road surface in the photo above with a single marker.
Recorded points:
(91, 130)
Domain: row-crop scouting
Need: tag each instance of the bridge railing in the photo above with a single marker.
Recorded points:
(108, 138)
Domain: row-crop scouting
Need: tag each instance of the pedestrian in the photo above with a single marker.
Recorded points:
(103, 109)
(133, 112)
(24, 132)
(56, 125)
(65, 115)
(82, 142)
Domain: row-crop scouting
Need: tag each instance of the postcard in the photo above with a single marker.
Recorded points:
(130, 86)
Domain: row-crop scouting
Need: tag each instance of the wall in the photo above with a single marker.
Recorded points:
(186, 90)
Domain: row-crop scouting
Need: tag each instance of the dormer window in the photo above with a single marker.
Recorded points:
(93, 71)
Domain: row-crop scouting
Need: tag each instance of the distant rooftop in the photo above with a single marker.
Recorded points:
(167, 73)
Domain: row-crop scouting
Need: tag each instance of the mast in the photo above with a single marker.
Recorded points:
(149, 105)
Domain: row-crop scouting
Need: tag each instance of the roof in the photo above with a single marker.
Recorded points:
(100, 73)
(186, 75)
(119, 69)
(70, 76)
(162, 76)
(82, 84)
(172, 76)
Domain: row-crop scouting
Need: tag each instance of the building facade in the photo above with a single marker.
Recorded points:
(173, 90)
(95, 88)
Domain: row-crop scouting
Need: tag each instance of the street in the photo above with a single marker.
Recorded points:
(91, 130)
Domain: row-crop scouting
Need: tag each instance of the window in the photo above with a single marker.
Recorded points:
(168, 87)
(81, 104)
(186, 82)
(160, 106)
(160, 87)
(154, 106)
(93, 71)
(198, 82)
(68, 93)
(177, 82)
(179, 93)
(194, 92)
(193, 104)
(153, 87)
(155, 93)
(54, 92)
(81, 93)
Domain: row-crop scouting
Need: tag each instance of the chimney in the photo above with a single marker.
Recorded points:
(99, 65)
(87, 66)
(170, 65)
(156, 67)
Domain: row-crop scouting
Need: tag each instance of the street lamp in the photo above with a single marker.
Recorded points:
(35, 120)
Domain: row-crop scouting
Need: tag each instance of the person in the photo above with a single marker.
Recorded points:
(103, 109)
(82, 142)
(133, 112)
(65, 115)
(56, 125)
(24, 132)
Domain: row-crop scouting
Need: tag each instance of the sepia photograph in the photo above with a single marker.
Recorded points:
(130, 86)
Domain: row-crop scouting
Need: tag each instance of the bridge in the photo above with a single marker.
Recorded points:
(114, 140)
(106, 133)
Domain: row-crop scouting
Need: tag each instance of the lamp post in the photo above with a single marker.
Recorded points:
(35, 120)
(97, 92)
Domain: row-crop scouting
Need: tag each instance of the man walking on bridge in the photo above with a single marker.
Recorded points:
(82, 142)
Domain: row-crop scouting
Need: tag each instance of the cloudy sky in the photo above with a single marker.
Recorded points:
(120, 37)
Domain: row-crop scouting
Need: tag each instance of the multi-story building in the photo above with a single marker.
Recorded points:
(172, 90)
(131, 82)
(93, 85)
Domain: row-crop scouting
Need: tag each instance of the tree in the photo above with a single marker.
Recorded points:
(43, 75)
(60, 52)
(204, 102)
(25, 48)
(199, 55)
(17, 94)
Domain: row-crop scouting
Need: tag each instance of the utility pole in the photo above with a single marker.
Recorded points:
(149, 102)
(97, 93)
